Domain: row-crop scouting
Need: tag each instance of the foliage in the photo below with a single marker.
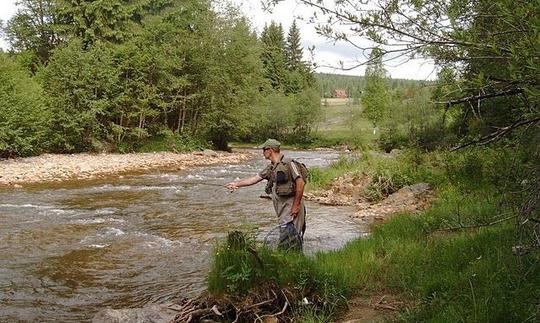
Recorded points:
(234, 84)
(375, 97)
(24, 117)
(306, 111)
(167, 140)
(491, 48)
(80, 94)
(273, 56)
(119, 73)
(290, 106)
(414, 121)
(32, 30)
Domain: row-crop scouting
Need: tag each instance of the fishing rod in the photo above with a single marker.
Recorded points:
(206, 184)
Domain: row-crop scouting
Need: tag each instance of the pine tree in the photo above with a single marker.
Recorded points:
(273, 55)
(293, 49)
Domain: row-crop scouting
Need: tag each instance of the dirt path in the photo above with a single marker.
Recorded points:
(56, 168)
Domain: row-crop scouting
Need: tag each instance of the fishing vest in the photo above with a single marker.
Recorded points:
(281, 177)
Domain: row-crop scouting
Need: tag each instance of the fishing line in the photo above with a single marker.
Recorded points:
(274, 230)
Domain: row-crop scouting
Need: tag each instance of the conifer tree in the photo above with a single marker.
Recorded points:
(273, 55)
(293, 49)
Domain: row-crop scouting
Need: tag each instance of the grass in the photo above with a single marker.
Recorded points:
(461, 275)
(343, 124)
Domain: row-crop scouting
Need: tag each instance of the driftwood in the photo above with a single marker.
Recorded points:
(257, 306)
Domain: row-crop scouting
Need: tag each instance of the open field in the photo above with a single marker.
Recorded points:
(336, 101)
(343, 123)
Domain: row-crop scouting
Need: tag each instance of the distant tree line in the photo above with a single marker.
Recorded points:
(88, 75)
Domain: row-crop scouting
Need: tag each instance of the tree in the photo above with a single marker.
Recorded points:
(293, 49)
(300, 75)
(32, 29)
(273, 55)
(235, 79)
(376, 97)
(81, 86)
(24, 117)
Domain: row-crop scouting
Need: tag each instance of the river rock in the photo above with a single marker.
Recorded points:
(54, 168)
(206, 152)
(409, 199)
(149, 314)
(210, 153)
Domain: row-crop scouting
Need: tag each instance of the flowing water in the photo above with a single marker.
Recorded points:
(69, 250)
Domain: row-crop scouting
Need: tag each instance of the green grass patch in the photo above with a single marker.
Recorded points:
(446, 263)
(343, 125)
(240, 266)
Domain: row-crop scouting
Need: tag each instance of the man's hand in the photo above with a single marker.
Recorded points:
(295, 210)
(231, 186)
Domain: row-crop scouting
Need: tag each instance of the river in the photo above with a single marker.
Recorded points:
(68, 250)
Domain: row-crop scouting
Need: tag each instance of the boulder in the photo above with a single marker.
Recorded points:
(149, 314)
(206, 152)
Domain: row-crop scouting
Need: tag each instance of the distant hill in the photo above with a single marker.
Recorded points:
(355, 84)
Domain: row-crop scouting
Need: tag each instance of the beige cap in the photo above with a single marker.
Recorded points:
(270, 143)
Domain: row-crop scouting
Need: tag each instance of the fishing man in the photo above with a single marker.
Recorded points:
(286, 186)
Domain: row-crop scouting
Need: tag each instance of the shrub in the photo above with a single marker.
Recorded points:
(24, 116)
(240, 265)
(392, 138)
(166, 140)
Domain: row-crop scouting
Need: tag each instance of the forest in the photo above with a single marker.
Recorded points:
(93, 77)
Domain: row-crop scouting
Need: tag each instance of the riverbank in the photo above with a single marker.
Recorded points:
(449, 260)
(49, 168)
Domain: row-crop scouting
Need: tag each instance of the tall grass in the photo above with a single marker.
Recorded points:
(447, 263)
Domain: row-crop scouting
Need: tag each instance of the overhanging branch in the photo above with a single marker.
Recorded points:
(484, 96)
(499, 133)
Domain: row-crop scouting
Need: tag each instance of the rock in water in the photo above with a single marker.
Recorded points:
(150, 314)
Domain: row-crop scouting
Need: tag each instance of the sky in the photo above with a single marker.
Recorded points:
(327, 54)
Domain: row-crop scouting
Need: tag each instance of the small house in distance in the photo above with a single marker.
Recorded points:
(340, 94)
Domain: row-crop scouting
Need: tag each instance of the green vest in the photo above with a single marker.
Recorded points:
(281, 177)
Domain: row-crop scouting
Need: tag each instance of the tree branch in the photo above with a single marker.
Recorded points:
(485, 96)
(498, 134)
(461, 227)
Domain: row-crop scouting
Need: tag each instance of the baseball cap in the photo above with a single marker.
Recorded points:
(270, 143)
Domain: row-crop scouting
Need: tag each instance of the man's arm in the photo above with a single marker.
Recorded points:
(298, 194)
(244, 182)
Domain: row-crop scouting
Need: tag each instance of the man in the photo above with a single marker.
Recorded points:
(286, 186)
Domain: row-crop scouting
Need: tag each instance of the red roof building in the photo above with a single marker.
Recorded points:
(339, 93)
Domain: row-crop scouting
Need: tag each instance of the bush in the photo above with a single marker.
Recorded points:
(166, 140)
(392, 138)
(239, 266)
(81, 86)
(24, 116)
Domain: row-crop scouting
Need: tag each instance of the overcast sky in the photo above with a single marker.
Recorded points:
(327, 54)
